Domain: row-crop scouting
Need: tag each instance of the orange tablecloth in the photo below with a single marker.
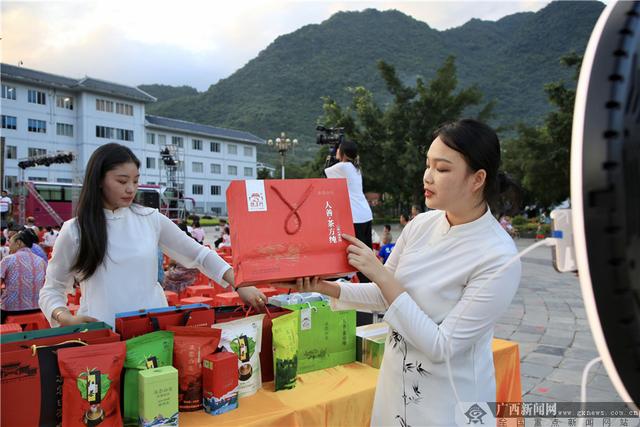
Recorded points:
(340, 396)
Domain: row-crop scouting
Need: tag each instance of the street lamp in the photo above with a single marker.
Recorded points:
(282, 144)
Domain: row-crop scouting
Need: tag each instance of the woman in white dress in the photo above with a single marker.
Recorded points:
(433, 286)
(111, 246)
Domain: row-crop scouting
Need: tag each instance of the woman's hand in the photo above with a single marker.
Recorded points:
(311, 284)
(65, 318)
(363, 258)
(254, 297)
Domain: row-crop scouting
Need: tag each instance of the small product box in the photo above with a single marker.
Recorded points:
(370, 341)
(158, 397)
(220, 382)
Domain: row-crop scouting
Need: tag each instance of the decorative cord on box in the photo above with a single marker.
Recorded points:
(293, 215)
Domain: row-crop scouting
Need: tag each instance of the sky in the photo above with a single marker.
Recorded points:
(187, 42)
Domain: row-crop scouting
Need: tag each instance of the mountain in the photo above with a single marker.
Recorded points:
(510, 60)
(167, 92)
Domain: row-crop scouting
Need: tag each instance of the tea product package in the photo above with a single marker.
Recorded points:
(285, 350)
(91, 384)
(144, 352)
(244, 338)
(158, 390)
(220, 382)
(190, 346)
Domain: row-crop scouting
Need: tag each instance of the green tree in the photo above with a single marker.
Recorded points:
(539, 157)
(393, 142)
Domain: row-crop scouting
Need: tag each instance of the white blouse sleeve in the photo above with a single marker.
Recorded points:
(336, 171)
(479, 310)
(59, 277)
(368, 296)
(185, 250)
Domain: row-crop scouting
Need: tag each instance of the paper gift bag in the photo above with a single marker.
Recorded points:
(227, 314)
(30, 382)
(326, 338)
(284, 229)
(135, 323)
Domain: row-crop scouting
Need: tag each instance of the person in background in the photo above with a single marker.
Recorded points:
(386, 231)
(111, 248)
(226, 238)
(415, 211)
(4, 249)
(178, 277)
(348, 167)
(375, 240)
(386, 248)
(49, 238)
(5, 208)
(219, 232)
(35, 247)
(22, 273)
(404, 220)
(32, 225)
(197, 232)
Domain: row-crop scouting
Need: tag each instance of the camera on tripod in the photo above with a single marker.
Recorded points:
(330, 136)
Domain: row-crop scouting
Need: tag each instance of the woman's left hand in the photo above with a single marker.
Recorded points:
(363, 258)
(254, 297)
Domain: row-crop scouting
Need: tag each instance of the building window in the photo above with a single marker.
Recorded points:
(64, 129)
(125, 109)
(64, 102)
(64, 180)
(38, 126)
(197, 167)
(162, 139)
(114, 133)
(216, 168)
(177, 140)
(196, 189)
(36, 152)
(104, 105)
(232, 170)
(37, 97)
(151, 162)
(9, 122)
(8, 92)
(12, 151)
(248, 151)
(10, 182)
(215, 190)
(37, 178)
(151, 138)
(196, 144)
(248, 171)
(214, 147)
(104, 132)
(232, 149)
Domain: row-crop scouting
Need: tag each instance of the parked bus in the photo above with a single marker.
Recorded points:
(59, 198)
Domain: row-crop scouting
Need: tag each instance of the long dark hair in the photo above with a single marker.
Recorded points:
(480, 147)
(349, 149)
(90, 217)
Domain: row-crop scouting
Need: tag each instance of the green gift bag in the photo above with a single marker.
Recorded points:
(147, 351)
(326, 338)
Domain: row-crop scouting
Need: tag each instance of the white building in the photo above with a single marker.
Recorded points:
(44, 113)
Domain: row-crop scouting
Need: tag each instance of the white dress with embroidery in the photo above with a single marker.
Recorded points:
(440, 267)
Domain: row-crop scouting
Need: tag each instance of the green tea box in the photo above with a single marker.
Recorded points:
(158, 397)
(370, 341)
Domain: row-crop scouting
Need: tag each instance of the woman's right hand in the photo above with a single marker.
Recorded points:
(68, 319)
(312, 284)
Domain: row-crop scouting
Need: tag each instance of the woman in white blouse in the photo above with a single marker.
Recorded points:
(110, 248)
(433, 285)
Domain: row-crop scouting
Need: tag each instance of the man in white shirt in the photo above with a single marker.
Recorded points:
(5, 208)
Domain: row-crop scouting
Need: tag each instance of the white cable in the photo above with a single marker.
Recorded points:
(549, 241)
(583, 388)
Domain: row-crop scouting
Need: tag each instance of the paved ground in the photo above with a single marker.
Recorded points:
(547, 318)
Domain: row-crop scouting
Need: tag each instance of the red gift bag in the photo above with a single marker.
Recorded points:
(284, 229)
(30, 377)
(227, 314)
(133, 324)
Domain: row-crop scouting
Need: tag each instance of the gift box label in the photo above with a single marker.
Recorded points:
(158, 397)
(220, 383)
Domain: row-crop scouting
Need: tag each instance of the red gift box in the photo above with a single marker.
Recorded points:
(285, 229)
(220, 382)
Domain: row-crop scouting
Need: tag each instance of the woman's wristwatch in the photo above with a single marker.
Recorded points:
(56, 313)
